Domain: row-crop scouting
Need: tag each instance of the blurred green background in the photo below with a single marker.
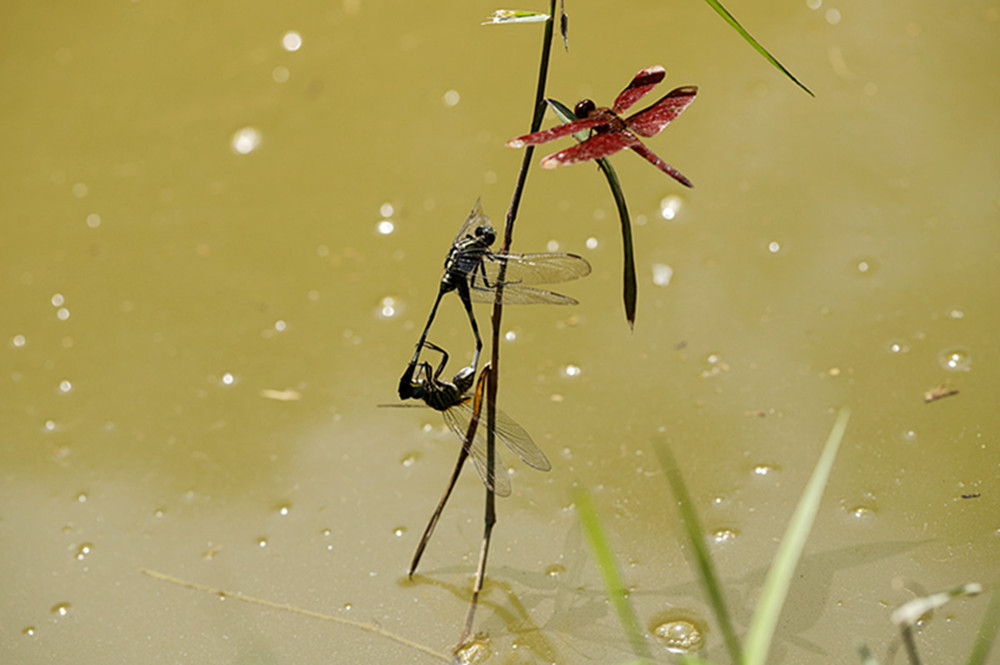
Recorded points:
(220, 244)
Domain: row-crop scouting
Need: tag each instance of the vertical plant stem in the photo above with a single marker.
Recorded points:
(492, 381)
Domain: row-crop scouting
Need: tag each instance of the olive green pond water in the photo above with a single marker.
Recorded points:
(223, 229)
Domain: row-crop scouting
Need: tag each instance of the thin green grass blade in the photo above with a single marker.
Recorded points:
(987, 632)
(731, 20)
(609, 572)
(702, 560)
(779, 577)
(630, 289)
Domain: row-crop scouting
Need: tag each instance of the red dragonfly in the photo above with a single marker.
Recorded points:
(611, 132)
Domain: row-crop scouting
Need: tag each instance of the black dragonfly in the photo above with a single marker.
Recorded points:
(473, 270)
(461, 409)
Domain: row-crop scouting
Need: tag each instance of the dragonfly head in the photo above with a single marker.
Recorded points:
(584, 108)
(486, 234)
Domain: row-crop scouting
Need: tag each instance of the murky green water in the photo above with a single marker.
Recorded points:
(195, 340)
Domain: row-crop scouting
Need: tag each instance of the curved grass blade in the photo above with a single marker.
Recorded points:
(779, 577)
(706, 572)
(728, 18)
(609, 573)
(630, 289)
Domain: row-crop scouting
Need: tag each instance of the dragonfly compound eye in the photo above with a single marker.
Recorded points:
(486, 233)
(583, 108)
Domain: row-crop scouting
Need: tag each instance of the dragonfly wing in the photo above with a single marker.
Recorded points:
(653, 159)
(518, 440)
(515, 294)
(643, 82)
(537, 268)
(597, 146)
(475, 219)
(651, 121)
(554, 133)
(496, 478)
(458, 418)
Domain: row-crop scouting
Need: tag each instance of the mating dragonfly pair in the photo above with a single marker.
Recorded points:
(478, 274)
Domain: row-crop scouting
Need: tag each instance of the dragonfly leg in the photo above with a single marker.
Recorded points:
(444, 358)
(463, 293)
(405, 388)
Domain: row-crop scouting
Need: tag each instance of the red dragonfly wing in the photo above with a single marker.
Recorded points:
(597, 146)
(651, 121)
(554, 133)
(644, 81)
(653, 159)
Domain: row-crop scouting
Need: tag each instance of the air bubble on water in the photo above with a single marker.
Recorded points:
(724, 535)
(861, 512)
(670, 206)
(765, 469)
(388, 307)
(571, 371)
(65, 386)
(909, 436)
(262, 542)
(348, 607)
(715, 366)
(510, 336)
(955, 313)
(866, 266)
(245, 141)
(592, 243)
(399, 531)
(28, 630)
(62, 314)
(81, 497)
(662, 274)
(552, 246)
(409, 459)
(555, 570)
(897, 346)
(57, 300)
(280, 325)
(387, 209)
(451, 98)
(679, 635)
(283, 509)
(472, 653)
(956, 359)
(60, 609)
(93, 220)
(50, 426)
(83, 550)
(385, 227)
(18, 341)
(291, 41)
(227, 379)
(774, 247)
